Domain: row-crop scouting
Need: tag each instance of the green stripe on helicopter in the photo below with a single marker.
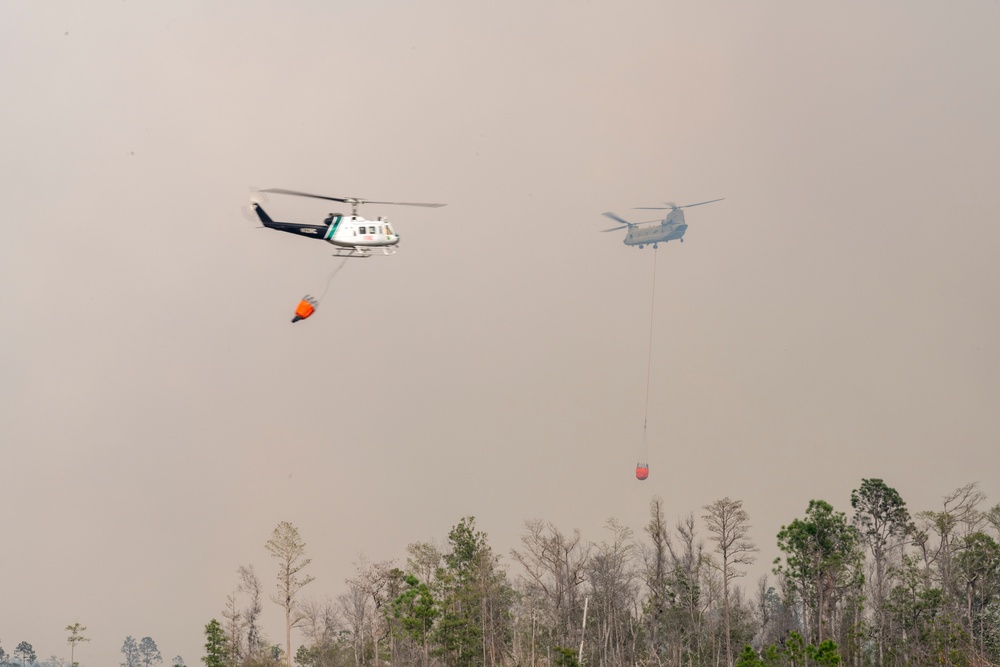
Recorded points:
(333, 227)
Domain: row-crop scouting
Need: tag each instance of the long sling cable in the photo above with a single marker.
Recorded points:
(330, 279)
(644, 451)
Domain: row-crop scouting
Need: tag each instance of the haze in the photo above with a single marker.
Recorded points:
(835, 318)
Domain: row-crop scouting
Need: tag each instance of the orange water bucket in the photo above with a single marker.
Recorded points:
(305, 308)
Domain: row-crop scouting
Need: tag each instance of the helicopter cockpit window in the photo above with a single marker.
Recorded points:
(388, 230)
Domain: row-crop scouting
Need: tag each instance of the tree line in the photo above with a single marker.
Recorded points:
(142, 653)
(881, 587)
(24, 654)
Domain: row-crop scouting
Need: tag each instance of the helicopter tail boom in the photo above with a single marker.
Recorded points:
(310, 231)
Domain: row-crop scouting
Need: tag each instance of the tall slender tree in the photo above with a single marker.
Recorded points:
(879, 515)
(656, 559)
(687, 591)
(233, 630)
(289, 550)
(250, 585)
(75, 637)
(729, 525)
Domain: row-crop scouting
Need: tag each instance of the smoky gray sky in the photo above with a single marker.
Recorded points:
(835, 318)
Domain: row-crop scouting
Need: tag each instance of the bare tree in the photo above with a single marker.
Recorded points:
(288, 548)
(555, 564)
(371, 590)
(958, 518)
(685, 584)
(354, 606)
(657, 565)
(233, 631)
(319, 626)
(613, 585)
(250, 585)
(993, 517)
(729, 525)
(424, 560)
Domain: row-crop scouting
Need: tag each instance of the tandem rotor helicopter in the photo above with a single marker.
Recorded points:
(659, 231)
(352, 235)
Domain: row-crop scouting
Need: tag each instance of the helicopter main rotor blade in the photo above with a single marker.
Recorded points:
(674, 207)
(614, 229)
(282, 191)
(614, 217)
(701, 202)
(400, 203)
(346, 200)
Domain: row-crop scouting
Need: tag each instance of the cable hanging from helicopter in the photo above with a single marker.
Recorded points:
(640, 234)
(351, 235)
(642, 467)
(308, 305)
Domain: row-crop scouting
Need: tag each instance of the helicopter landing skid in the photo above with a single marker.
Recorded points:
(363, 251)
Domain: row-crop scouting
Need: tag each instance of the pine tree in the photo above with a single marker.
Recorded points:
(216, 653)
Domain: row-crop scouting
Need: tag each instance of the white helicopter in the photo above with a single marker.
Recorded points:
(352, 235)
(670, 228)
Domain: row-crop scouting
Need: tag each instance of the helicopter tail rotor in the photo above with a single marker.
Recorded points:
(257, 198)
